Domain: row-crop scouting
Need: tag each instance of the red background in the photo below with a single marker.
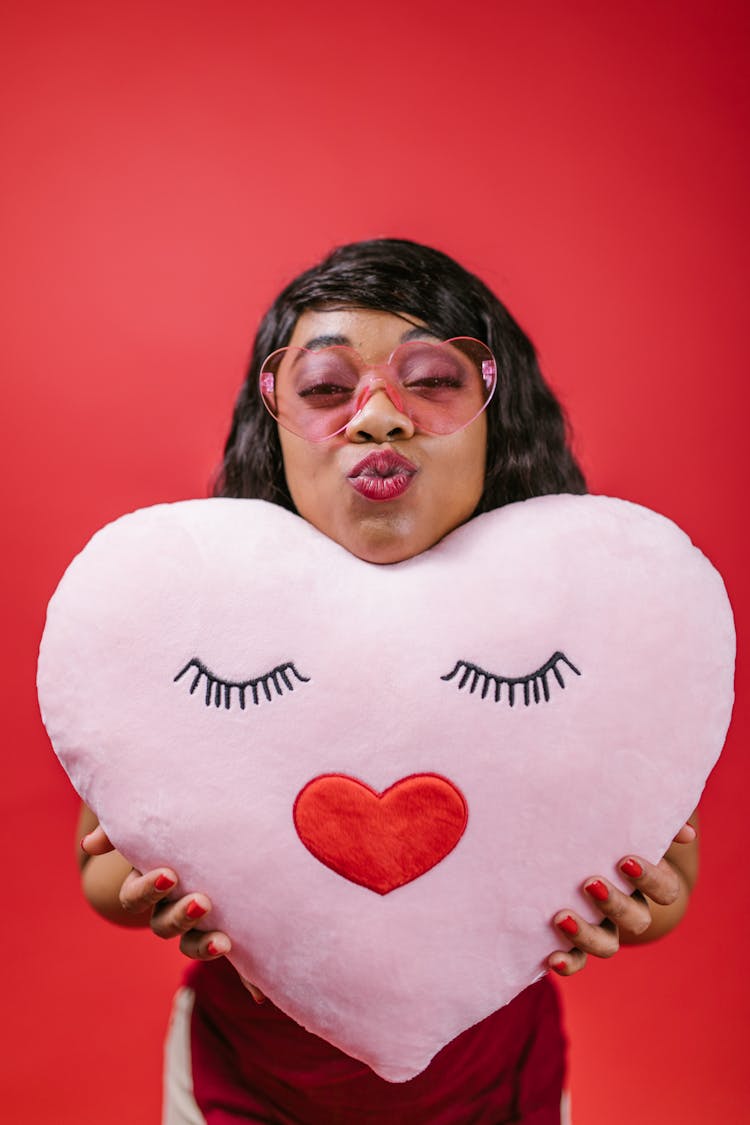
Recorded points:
(167, 167)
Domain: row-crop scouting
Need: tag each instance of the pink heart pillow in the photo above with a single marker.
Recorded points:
(388, 778)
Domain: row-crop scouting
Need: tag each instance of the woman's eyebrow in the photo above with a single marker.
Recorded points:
(418, 332)
(327, 342)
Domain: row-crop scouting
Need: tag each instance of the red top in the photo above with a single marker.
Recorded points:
(253, 1063)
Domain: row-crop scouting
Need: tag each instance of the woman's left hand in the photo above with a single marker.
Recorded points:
(658, 901)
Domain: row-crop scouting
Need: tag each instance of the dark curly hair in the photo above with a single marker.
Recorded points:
(528, 452)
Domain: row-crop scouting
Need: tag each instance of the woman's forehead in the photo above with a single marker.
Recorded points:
(373, 332)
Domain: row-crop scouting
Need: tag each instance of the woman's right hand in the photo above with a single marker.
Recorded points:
(143, 899)
(126, 896)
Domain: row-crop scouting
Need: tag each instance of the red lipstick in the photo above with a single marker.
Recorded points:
(384, 475)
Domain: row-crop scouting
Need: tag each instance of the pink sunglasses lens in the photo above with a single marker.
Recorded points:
(445, 386)
(312, 393)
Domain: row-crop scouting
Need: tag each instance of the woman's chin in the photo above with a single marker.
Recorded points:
(384, 541)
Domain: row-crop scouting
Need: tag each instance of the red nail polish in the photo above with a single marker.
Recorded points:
(82, 847)
(559, 966)
(195, 910)
(597, 890)
(163, 883)
(568, 925)
(632, 868)
(211, 948)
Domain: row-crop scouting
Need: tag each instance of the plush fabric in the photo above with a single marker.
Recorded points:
(388, 778)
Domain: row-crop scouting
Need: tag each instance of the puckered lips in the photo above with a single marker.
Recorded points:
(382, 475)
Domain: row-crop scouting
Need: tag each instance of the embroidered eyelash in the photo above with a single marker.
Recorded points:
(535, 686)
(279, 678)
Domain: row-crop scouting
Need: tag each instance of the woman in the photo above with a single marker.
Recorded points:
(387, 483)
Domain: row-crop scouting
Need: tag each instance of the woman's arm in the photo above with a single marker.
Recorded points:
(103, 873)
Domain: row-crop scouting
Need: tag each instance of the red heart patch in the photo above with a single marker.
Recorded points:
(380, 840)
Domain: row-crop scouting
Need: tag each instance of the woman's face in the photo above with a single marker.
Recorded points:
(380, 508)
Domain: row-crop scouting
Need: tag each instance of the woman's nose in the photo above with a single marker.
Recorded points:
(380, 417)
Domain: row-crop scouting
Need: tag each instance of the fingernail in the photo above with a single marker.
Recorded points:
(568, 925)
(214, 949)
(163, 883)
(632, 868)
(83, 841)
(559, 966)
(597, 890)
(195, 910)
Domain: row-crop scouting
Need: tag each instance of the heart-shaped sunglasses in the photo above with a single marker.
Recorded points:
(318, 393)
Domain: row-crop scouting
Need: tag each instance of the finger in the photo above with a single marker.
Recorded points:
(600, 941)
(172, 919)
(566, 963)
(142, 892)
(205, 946)
(629, 913)
(659, 882)
(254, 991)
(686, 835)
(97, 842)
